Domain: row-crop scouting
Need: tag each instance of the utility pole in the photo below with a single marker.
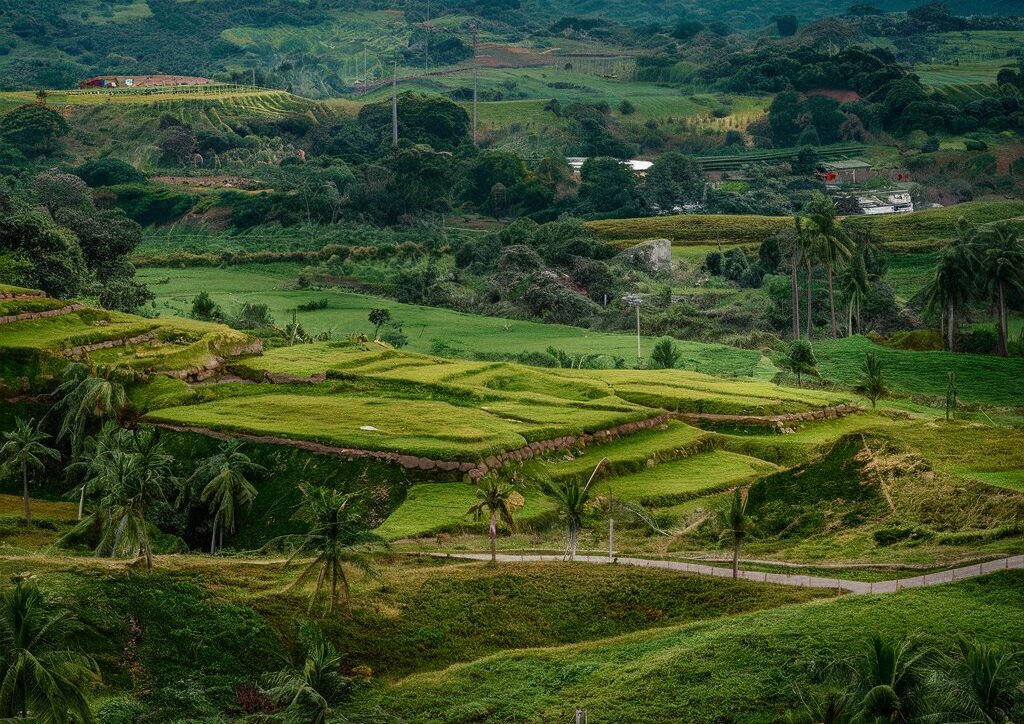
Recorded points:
(635, 300)
(394, 104)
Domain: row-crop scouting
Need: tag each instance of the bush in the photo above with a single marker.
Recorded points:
(109, 172)
(665, 355)
(918, 340)
(900, 533)
(983, 340)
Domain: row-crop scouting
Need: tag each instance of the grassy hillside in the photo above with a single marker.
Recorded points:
(743, 668)
(920, 229)
(428, 328)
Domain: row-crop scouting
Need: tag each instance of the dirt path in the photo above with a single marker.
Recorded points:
(785, 579)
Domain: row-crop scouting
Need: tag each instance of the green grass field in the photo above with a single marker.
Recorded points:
(900, 231)
(464, 334)
(736, 668)
(980, 379)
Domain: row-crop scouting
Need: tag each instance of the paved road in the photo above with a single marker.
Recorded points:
(785, 579)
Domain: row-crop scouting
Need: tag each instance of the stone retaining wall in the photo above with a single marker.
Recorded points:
(25, 316)
(85, 349)
(475, 470)
(826, 413)
(22, 296)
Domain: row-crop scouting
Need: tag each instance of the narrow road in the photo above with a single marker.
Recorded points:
(785, 579)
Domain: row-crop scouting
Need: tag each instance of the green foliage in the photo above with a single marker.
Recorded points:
(800, 359)
(872, 382)
(665, 355)
(33, 128)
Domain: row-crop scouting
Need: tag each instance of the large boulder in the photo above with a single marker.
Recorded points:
(654, 256)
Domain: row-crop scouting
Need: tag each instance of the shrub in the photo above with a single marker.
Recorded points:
(665, 355)
(983, 340)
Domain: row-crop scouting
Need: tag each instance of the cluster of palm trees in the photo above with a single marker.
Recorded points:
(817, 240)
(906, 681)
(984, 264)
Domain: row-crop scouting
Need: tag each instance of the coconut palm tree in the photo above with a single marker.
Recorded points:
(1002, 269)
(226, 489)
(793, 242)
(872, 381)
(828, 706)
(736, 526)
(86, 394)
(92, 463)
(891, 681)
(499, 500)
(41, 678)
(833, 244)
(24, 449)
(978, 686)
(337, 537)
(953, 281)
(854, 284)
(129, 491)
(572, 499)
(311, 681)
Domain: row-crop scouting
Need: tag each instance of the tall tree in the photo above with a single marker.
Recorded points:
(1002, 267)
(337, 537)
(498, 499)
(736, 526)
(24, 449)
(42, 677)
(92, 463)
(794, 244)
(833, 244)
(572, 499)
(225, 488)
(953, 281)
(86, 395)
(855, 284)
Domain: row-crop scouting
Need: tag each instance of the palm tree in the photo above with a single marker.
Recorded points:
(833, 245)
(572, 499)
(499, 499)
(952, 283)
(41, 678)
(1002, 265)
(337, 537)
(855, 284)
(872, 382)
(829, 706)
(890, 681)
(23, 448)
(92, 463)
(226, 490)
(311, 682)
(978, 687)
(122, 510)
(736, 526)
(793, 242)
(86, 396)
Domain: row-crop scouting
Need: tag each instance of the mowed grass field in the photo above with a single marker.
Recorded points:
(464, 334)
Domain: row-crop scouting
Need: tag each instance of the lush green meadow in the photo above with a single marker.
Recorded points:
(747, 668)
(980, 379)
(899, 231)
(425, 327)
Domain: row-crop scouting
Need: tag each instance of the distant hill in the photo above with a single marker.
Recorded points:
(316, 47)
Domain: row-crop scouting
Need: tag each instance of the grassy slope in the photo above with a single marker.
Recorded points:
(923, 227)
(740, 669)
(467, 333)
(981, 379)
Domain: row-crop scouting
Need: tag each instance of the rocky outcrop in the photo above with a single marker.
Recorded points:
(25, 316)
(654, 256)
(22, 296)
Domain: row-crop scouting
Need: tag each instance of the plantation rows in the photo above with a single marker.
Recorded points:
(725, 163)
